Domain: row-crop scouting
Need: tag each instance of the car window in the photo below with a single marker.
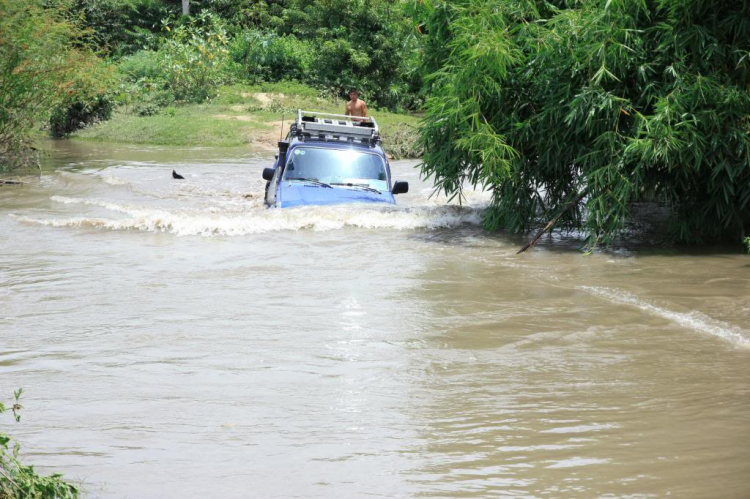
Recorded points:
(337, 166)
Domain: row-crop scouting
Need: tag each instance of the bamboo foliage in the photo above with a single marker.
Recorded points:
(628, 100)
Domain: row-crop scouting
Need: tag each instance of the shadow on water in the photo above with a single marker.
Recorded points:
(633, 244)
(647, 233)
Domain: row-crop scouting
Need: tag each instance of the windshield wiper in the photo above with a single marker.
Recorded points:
(359, 186)
(312, 181)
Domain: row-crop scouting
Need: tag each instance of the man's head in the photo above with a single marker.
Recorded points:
(353, 94)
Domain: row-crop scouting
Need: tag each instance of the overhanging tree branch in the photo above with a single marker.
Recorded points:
(552, 222)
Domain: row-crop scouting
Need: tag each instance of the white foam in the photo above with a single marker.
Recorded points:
(693, 320)
(112, 180)
(577, 462)
(260, 220)
(96, 202)
(581, 428)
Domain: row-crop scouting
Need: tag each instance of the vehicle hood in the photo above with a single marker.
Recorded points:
(297, 194)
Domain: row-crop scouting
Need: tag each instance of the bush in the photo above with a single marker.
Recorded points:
(143, 65)
(68, 118)
(402, 141)
(20, 481)
(45, 64)
(144, 87)
(188, 66)
(269, 57)
(193, 57)
(121, 27)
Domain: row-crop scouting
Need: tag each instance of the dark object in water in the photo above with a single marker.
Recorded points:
(177, 176)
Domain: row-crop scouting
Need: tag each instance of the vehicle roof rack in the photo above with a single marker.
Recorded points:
(327, 126)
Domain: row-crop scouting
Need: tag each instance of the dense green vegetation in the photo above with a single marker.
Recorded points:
(69, 64)
(44, 65)
(20, 481)
(598, 103)
(330, 45)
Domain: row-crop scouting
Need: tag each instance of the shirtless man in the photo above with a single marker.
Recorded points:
(355, 106)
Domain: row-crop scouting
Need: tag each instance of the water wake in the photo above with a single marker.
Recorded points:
(693, 320)
(256, 219)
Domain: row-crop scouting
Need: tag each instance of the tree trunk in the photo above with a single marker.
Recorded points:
(185, 7)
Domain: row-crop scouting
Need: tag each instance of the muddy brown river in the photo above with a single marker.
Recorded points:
(177, 339)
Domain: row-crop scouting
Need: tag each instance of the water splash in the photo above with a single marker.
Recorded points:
(256, 219)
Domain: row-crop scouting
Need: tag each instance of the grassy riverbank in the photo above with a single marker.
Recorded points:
(240, 114)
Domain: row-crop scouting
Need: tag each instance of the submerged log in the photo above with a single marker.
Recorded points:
(552, 222)
(4, 181)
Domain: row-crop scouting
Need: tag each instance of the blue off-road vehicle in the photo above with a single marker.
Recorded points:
(330, 159)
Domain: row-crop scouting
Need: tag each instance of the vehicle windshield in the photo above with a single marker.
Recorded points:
(337, 166)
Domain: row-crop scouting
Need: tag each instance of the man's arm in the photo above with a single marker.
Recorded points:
(347, 111)
(364, 110)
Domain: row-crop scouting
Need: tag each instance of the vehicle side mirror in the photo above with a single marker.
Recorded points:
(400, 187)
(268, 173)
